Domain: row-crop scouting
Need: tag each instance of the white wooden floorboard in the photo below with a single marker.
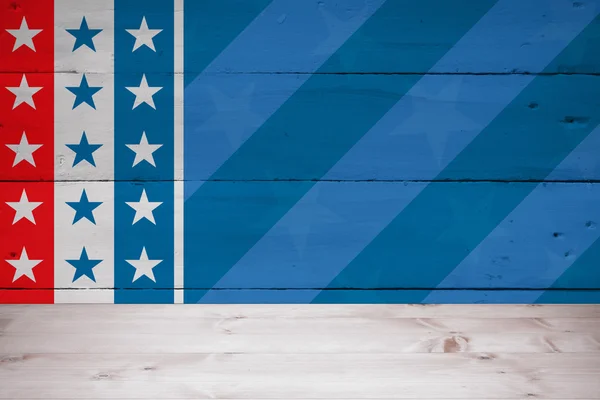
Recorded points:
(279, 311)
(299, 352)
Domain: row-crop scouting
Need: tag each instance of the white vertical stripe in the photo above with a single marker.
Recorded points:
(98, 125)
(178, 147)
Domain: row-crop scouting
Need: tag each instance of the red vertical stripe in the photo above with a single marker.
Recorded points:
(38, 125)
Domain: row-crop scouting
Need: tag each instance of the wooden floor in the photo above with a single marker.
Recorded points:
(299, 352)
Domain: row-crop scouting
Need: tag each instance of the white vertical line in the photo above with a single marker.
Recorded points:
(178, 148)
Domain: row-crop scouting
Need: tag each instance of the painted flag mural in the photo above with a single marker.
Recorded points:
(282, 151)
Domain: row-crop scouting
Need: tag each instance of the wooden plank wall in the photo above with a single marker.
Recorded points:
(419, 161)
(317, 151)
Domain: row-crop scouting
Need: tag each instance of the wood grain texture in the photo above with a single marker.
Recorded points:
(411, 150)
(556, 220)
(394, 102)
(332, 23)
(415, 33)
(300, 352)
(308, 246)
(434, 118)
(284, 311)
(373, 91)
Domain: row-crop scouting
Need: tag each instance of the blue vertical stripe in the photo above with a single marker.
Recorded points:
(158, 124)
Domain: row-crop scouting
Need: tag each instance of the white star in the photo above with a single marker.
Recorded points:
(24, 35)
(24, 150)
(234, 115)
(143, 208)
(24, 266)
(144, 36)
(143, 266)
(24, 93)
(144, 151)
(24, 208)
(144, 93)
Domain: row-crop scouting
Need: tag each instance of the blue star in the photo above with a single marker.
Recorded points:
(84, 151)
(83, 93)
(84, 35)
(84, 266)
(83, 208)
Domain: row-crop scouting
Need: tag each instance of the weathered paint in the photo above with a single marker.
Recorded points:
(71, 163)
(37, 126)
(314, 151)
(299, 234)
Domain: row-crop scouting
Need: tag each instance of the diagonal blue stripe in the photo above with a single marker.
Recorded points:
(223, 110)
(325, 231)
(584, 273)
(445, 222)
(210, 26)
(537, 242)
(308, 123)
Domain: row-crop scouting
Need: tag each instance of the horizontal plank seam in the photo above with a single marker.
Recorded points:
(464, 355)
(465, 180)
(408, 73)
(455, 289)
